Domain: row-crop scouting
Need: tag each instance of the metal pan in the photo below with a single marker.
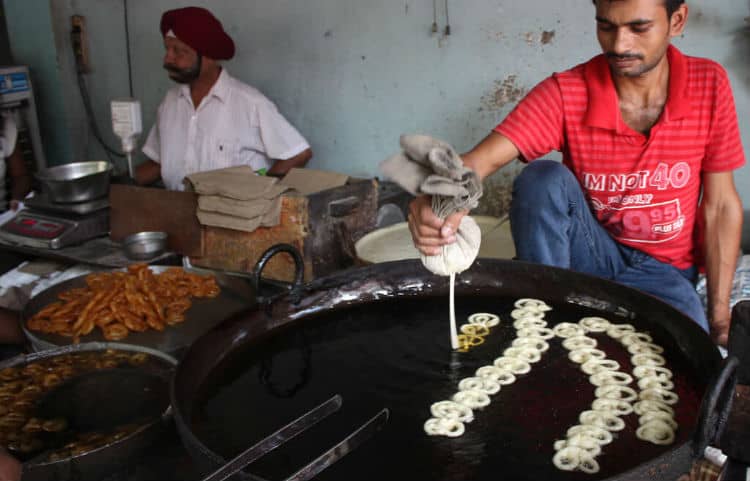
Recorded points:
(236, 295)
(76, 182)
(396, 306)
(96, 464)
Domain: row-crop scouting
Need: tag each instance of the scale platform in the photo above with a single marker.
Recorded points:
(39, 230)
(41, 203)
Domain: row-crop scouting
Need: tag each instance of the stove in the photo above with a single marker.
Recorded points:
(48, 225)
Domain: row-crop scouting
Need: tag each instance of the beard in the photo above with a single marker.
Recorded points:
(640, 65)
(184, 75)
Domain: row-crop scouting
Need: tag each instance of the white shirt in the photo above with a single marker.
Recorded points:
(234, 125)
(8, 138)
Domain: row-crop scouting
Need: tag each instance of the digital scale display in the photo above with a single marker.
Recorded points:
(31, 229)
(34, 227)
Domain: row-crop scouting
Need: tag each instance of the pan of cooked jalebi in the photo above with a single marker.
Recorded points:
(161, 307)
(59, 444)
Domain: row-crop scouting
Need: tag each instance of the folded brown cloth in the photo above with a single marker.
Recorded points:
(311, 181)
(237, 198)
(228, 221)
(240, 183)
(247, 209)
(270, 219)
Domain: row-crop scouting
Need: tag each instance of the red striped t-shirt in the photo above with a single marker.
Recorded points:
(643, 190)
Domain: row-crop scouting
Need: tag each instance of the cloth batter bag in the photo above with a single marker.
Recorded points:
(430, 166)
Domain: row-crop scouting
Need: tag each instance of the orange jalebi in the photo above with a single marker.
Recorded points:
(121, 302)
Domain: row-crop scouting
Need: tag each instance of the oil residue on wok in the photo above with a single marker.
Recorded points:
(397, 355)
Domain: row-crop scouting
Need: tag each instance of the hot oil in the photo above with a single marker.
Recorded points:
(397, 355)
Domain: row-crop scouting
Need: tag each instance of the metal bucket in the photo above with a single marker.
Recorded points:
(76, 182)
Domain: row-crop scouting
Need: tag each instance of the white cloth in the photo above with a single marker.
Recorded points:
(457, 257)
(234, 125)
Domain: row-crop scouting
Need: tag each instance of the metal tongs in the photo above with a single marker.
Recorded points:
(296, 427)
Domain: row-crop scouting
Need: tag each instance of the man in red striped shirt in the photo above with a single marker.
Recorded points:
(650, 140)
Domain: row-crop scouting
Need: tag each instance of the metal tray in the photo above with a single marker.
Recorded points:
(236, 295)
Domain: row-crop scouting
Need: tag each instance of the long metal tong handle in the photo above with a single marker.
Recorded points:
(341, 449)
(276, 439)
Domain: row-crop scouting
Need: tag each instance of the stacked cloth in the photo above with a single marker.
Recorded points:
(430, 166)
(237, 198)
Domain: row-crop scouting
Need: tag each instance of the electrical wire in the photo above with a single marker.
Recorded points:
(447, 20)
(92, 120)
(434, 16)
(127, 47)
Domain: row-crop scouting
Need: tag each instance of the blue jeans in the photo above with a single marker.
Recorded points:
(552, 224)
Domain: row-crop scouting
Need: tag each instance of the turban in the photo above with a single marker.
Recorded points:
(199, 29)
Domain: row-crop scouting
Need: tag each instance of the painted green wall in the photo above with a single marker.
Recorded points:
(32, 43)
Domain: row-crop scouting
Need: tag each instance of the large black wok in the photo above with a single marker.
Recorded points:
(379, 337)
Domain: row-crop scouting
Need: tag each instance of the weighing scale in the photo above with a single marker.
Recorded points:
(48, 225)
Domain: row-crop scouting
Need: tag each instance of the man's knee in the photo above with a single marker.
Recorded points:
(537, 175)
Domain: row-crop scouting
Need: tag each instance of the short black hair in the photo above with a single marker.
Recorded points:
(671, 5)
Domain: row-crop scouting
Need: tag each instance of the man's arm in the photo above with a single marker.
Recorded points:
(282, 166)
(722, 211)
(147, 173)
(20, 180)
(428, 231)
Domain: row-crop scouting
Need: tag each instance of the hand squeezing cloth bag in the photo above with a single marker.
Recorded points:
(431, 166)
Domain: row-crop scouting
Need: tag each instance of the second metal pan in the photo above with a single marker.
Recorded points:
(236, 295)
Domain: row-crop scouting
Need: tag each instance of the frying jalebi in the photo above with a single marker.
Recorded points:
(121, 302)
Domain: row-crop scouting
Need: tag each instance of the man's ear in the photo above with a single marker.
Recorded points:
(679, 20)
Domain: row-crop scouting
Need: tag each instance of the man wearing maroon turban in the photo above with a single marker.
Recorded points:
(212, 120)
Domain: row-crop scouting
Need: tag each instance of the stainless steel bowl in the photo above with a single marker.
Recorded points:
(76, 182)
(144, 245)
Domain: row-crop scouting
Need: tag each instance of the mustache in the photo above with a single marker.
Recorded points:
(172, 68)
(624, 55)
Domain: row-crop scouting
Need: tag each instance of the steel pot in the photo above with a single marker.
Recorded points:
(76, 182)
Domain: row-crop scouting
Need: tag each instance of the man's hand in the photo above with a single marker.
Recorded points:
(281, 167)
(719, 323)
(428, 231)
(147, 173)
(720, 333)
